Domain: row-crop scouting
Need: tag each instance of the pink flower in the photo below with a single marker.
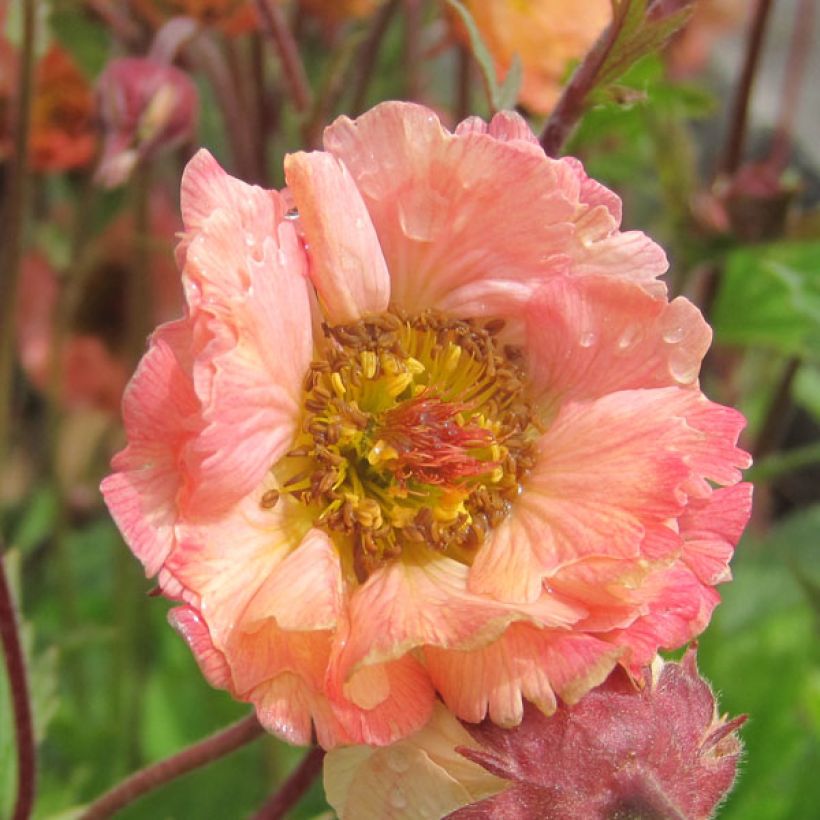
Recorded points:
(146, 107)
(429, 425)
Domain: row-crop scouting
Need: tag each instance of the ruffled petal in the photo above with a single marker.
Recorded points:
(426, 603)
(223, 563)
(711, 527)
(593, 336)
(606, 471)
(422, 776)
(470, 223)
(525, 662)
(188, 622)
(346, 262)
(252, 344)
(160, 410)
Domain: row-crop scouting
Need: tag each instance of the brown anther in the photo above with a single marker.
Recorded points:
(269, 499)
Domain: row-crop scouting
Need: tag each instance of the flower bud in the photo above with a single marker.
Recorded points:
(658, 751)
(146, 107)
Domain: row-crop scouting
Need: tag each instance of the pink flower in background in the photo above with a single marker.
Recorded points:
(92, 360)
(428, 426)
(146, 107)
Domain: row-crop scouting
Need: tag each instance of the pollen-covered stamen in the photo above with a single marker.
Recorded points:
(415, 432)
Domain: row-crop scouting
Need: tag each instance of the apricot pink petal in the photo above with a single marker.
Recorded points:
(426, 603)
(305, 591)
(346, 262)
(677, 611)
(223, 562)
(462, 216)
(158, 408)
(421, 776)
(593, 336)
(250, 310)
(711, 527)
(607, 469)
(526, 662)
(188, 622)
(207, 188)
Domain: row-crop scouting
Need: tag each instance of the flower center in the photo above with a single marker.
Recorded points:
(416, 432)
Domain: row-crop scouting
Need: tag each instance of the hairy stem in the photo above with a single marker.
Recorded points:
(23, 727)
(294, 787)
(740, 107)
(573, 101)
(193, 757)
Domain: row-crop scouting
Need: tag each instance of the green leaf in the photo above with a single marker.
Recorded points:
(806, 389)
(761, 654)
(500, 96)
(639, 27)
(769, 297)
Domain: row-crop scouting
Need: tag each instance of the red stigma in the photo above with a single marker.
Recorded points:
(432, 447)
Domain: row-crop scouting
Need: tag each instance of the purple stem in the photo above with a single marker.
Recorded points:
(23, 727)
(740, 107)
(294, 787)
(193, 757)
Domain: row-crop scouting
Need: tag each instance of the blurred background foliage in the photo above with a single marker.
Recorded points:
(112, 686)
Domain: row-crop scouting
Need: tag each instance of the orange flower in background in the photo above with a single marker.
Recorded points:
(63, 133)
(429, 426)
(547, 36)
(336, 11)
(231, 16)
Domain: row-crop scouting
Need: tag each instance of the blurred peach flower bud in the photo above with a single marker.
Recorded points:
(146, 107)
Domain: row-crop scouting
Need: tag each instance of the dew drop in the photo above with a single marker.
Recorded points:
(291, 214)
(683, 370)
(628, 338)
(397, 799)
(673, 335)
(397, 761)
(587, 339)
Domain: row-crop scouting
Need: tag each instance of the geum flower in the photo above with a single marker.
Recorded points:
(429, 425)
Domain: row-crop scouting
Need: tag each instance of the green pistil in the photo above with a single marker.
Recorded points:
(415, 432)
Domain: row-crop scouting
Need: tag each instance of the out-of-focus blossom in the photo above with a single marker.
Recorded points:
(63, 135)
(337, 11)
(230, 16)
(93, 364)
(691, 48)
(429, 425)
(661, 751)
(147, 107)
(547, 36)
(423, 776)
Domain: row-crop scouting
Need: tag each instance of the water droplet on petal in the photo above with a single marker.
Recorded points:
(628, 337)
(673, 335)
(587, 339)
(684, 370)
(292, 213)
(397, 799)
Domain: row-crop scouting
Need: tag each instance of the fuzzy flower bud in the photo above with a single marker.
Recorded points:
(146, 107)
(663, 751)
